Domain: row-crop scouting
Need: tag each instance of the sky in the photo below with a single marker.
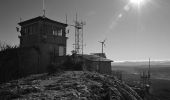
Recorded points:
(131, 32)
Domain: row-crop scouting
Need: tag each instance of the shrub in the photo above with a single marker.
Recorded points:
(4, 46)
(53, 68)
(71, 64)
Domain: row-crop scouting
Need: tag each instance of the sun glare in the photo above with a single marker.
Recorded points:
(137, 2)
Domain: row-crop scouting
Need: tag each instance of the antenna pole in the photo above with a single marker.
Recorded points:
(20, 19)
(149, 68)
(149, 63)
(76, 33)
(82, 36)
(66, 18)
(78, 25)
(82, 40)
(43, 8)
(102, 47)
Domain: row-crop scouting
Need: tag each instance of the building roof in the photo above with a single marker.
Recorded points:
(96, 58)
(40, 18)
(100, 54)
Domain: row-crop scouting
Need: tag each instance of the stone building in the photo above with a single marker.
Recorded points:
(97, 63)
(42, 41)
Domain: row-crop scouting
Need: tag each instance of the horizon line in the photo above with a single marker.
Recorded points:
(118, 61)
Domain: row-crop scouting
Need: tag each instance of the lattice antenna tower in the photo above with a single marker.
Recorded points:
(78, 35)
(149, 72)
(145, 77)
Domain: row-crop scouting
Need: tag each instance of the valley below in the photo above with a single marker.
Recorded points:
(159, 81)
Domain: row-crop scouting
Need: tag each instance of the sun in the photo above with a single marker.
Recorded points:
(137, 2)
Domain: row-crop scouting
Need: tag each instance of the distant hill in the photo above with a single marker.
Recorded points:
(142, 63)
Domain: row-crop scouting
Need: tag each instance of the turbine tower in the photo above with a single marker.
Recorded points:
(103, 44)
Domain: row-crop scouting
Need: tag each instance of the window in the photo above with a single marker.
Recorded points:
(60, 32)
(61, 50)
(57, 32)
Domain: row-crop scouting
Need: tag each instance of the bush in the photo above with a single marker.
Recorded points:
(53, 68)
(68, 64)
(78, 66)
(71, 65)
(4, 46)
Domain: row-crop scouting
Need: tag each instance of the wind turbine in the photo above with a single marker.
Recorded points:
(103, 44)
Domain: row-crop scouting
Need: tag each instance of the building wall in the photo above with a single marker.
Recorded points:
(30, 60)
(43, 40)
(43, 31)
(105, 67)
(37, 58)
(98, 66)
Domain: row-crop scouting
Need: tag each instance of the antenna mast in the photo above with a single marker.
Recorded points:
(43, 8)
(66, 18)
(149, 68)
(79, 35)
(20, 19)
(145, 78)
(79, 43)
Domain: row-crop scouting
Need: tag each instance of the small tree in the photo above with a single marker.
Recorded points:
(4, 46)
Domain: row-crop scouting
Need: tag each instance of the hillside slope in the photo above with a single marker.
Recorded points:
(69, 85)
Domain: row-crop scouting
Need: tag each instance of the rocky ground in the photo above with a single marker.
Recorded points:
(68, 85)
